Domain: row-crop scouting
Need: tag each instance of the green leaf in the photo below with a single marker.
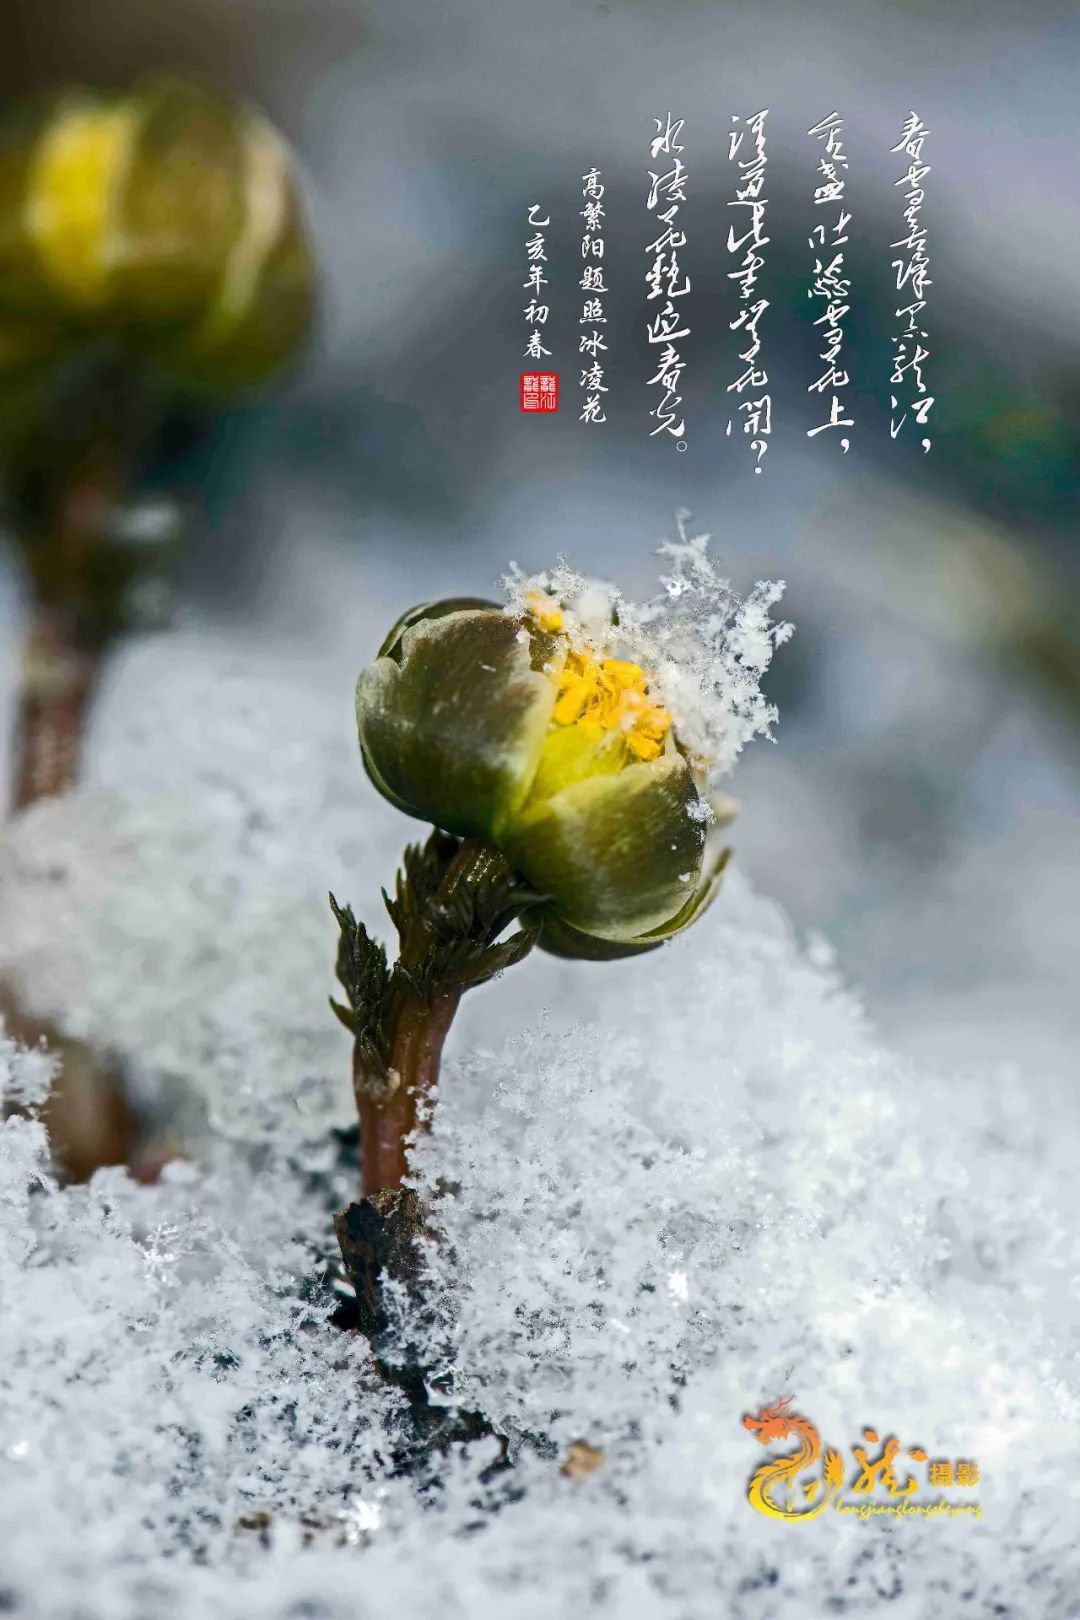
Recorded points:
(363, 974)
(344, 1016)
(423, 867)
(497, 958)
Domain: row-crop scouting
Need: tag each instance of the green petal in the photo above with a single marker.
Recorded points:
(615, 853)
(453, 716)
(234, 268)
(391, 647)
(181, 207)
(559, 939)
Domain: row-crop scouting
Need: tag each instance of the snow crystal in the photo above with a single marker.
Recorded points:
(695, 1183)
(704, 647)
(26, 1077)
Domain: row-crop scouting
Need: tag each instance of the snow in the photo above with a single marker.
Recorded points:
(705, 648)
(671, 1190)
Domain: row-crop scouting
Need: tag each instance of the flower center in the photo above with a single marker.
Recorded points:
(614, 695)
(603, 695)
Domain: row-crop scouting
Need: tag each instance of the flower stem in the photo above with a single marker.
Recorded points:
(69, 470)
(59, 674)
(421, 1007)
(419, 1030)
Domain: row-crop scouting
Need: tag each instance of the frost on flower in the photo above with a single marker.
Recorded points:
(705, 648)
(576, 736)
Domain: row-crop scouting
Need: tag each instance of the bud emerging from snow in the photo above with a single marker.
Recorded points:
(502, 726)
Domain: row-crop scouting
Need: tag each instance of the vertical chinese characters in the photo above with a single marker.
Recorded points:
(757, 410)
(591, 344)
(536, 311)
(830, 285)
(539, 389)
(912, 279)
(667, 192)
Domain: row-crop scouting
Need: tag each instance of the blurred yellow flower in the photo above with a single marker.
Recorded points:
(166, 221)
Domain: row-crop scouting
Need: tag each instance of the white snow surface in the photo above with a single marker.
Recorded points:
(671, 1190)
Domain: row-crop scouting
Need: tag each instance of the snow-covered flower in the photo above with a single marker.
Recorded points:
(506, 726)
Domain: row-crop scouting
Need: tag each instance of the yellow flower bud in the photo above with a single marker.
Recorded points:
(492, 725)
(165, 221)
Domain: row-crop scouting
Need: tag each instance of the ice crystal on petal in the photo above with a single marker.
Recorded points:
(705, 648)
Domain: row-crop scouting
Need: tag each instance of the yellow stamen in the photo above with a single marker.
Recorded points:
(612, 694)
(625, 675)
(571, 702)
(545, 610)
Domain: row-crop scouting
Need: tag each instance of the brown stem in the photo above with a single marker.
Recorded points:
(59, 674)
(418, 1026)
(64, 647)
(67, 473)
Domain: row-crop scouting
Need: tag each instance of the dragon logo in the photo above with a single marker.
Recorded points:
(774, 1488)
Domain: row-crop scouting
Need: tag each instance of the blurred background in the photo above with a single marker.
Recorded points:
(919, 807)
